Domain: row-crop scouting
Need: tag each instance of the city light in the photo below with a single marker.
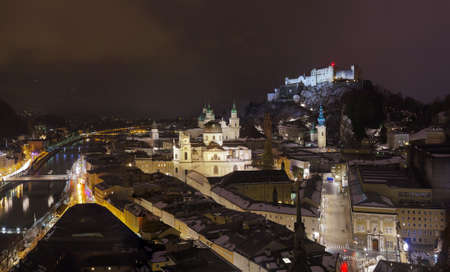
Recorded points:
(405, 246)
(286, 260)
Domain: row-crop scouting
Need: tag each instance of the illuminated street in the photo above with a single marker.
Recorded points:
(336, 223)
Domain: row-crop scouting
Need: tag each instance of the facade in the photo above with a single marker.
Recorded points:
(230, 131)
(388, 203)
(421, 226)
(149, 165)
(374, 228)
(211, 157)
(396, 139)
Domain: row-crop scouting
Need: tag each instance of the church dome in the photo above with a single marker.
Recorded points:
(212, 127)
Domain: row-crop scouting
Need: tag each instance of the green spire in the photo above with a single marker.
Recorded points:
(321, 119)
(233, 110)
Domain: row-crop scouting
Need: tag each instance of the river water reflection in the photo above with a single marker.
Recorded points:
(27, 202)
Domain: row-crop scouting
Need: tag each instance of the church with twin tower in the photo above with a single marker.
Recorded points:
(230, 131)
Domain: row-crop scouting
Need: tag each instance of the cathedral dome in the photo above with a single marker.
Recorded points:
(212, 127)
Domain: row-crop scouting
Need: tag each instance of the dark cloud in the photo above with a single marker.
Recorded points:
(166, 58)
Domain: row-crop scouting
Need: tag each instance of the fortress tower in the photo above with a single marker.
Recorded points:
(321, 130)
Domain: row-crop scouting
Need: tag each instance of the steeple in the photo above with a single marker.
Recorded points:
(321, 130)
(321, 119)
(233, 110)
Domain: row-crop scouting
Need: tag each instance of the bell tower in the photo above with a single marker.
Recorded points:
(185, 147)
(234, 122)
(321, 130)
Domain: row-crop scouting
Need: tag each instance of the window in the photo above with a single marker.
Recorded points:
(216, 170)
(185, 156)
(389, 244)
(176, 170)
(361, 228)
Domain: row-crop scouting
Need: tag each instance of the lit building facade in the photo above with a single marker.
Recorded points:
(211, 157)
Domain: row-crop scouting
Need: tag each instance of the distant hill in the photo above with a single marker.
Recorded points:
(11, 125)
(365, 104)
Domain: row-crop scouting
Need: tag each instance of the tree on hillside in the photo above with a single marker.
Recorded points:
(11, 125)
(267, 158)
(365, 110)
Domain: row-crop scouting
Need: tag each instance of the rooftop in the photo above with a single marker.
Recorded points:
(256, 176)
(87, 235)
(389, 175)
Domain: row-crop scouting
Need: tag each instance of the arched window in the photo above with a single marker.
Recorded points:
(215, 157)
(216, 170)
(185, 156)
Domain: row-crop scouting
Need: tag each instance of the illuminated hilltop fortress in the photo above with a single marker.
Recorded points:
(317, 77)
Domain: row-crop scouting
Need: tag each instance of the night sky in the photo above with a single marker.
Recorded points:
(166, 58)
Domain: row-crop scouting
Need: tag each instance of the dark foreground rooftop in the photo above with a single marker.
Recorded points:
(87, 236)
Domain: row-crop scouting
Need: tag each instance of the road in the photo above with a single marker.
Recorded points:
(335, 220)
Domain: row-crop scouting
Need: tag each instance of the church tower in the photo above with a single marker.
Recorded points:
(155, 132)
(321, 130)
(209, 115)
(185, 150)
(234, 122)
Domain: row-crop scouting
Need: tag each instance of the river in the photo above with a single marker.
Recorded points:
(29, 201)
